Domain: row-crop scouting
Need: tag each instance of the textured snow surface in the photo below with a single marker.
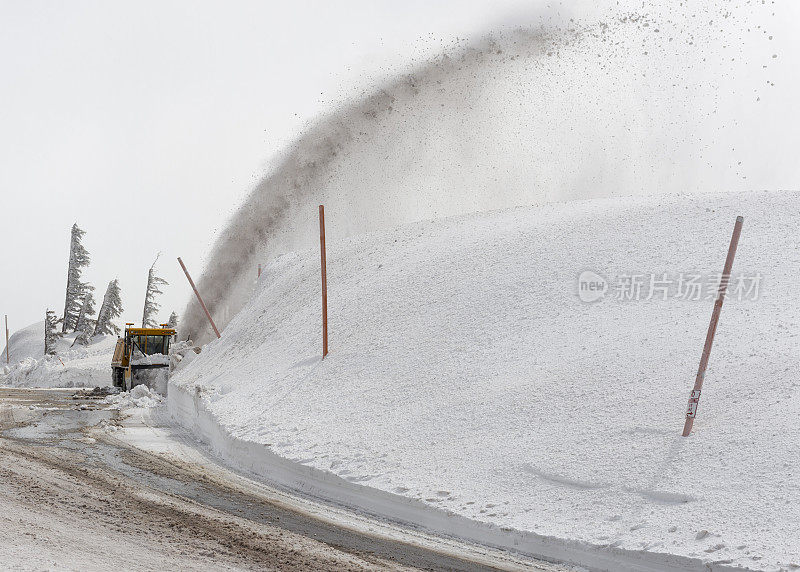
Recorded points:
(466, 373)
(25, 343)
(139, 396)
(155, 359)
(73, 366)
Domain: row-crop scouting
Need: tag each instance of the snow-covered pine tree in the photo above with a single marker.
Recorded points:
(51, 334)
(76, 289)
(151, 307)
(86, 324)
(173, 321)
(110, 308)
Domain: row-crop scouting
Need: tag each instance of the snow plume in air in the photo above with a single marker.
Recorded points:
(631, 104)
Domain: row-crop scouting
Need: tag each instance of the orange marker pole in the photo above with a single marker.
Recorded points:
(7, 360)
(694, 397)
(259, 271)
(199, 299)
(324, 281)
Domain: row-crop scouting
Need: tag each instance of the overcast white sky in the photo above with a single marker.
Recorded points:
(148, 122)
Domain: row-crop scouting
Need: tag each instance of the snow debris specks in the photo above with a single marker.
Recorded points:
(634, 101)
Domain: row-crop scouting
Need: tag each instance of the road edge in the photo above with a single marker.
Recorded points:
(188, 410)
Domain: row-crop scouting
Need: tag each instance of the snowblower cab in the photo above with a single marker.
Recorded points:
(138, 353)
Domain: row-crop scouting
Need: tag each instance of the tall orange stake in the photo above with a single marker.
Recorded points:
(324, 281)
(199, 299)
(694, 397)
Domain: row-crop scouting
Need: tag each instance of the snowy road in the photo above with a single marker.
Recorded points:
(83, 488)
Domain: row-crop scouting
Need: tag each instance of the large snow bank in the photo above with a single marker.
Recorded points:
(25, 343)
(467, 375)
(72, 366)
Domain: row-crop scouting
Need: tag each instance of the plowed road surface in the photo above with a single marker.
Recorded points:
(85, 487)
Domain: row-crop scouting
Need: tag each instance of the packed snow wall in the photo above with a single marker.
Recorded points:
(630, 104)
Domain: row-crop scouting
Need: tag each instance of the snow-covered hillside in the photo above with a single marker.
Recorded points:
(73, 366)
(466, 372)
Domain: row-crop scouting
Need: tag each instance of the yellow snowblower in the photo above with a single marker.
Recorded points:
(140, 351)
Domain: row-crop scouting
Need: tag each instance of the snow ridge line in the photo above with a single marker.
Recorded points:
(188, 409)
